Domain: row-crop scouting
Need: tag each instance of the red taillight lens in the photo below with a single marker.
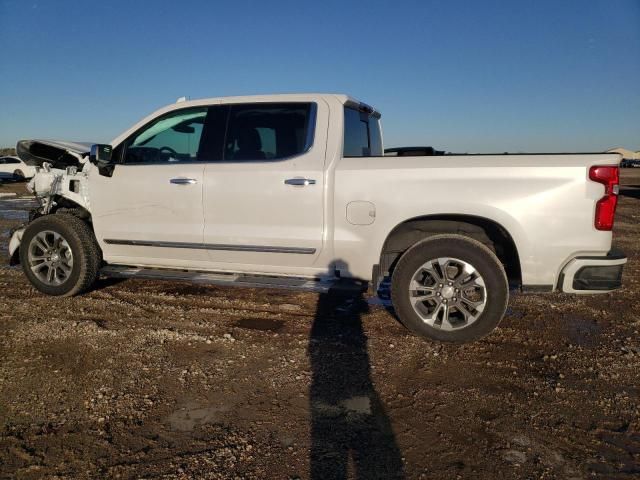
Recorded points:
(606, 206)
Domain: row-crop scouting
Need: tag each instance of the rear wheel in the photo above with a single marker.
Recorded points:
(18, 175)
(59, 255)
(450, 288)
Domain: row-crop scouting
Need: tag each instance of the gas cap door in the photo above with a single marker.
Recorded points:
(361, 212)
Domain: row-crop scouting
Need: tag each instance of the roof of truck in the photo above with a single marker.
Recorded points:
(276, 96)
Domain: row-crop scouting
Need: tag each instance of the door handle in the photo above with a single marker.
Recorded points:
(300, 182)
(183, 181)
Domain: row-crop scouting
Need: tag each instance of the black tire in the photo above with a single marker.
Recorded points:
(481, 258)
(18, 176)
(83, 246)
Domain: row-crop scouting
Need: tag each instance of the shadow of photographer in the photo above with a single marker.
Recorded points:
(348, 419)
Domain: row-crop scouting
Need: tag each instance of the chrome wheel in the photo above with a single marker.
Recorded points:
(50, 258)
(448, 293)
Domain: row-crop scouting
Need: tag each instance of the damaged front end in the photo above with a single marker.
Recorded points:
(60, 182)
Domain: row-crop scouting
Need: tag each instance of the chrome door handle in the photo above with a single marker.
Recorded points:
(183, 181)
(299, 182)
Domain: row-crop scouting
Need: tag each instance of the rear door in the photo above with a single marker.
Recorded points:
(263, 194)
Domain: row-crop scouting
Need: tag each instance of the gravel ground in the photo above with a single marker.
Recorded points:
(151, 379)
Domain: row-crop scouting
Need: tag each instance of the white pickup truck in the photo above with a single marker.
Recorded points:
(295, 191)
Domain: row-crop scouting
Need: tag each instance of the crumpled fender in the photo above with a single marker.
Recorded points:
(14, 245)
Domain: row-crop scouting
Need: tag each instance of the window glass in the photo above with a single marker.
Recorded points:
(212, 140)
(174, 137)
(356, 134)
(269, 131)
(268, 140)
(362, 134)
(375, 137)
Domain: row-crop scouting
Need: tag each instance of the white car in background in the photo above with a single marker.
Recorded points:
(12, 168)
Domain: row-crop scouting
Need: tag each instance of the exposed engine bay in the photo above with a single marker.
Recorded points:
(60, 181)
(51, 185)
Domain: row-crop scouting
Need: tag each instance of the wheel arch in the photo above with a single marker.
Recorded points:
(71, 207)
(487, 231)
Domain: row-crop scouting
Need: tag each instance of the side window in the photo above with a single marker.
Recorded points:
(174, 137)
(362, 135)
(375, 137)
(356, 134)
(269, 131)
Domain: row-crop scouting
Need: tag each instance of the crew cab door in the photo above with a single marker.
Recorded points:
(264, 197)
(149, 211)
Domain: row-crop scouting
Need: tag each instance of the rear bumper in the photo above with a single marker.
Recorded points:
(587, 275)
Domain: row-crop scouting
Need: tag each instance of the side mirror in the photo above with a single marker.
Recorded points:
(101, 154)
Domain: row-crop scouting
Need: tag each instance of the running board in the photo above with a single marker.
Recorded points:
(231, 279)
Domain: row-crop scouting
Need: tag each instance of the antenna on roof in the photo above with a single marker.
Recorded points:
(181, 99)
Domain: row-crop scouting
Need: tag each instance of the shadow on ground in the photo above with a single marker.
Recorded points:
(348, 419)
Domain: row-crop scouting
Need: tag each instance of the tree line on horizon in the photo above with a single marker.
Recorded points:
(7, 151)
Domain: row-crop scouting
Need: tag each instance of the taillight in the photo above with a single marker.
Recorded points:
(606, 207)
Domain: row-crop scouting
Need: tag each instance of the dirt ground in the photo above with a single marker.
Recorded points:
(151, 379)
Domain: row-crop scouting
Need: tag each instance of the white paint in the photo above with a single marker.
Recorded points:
(545, 202)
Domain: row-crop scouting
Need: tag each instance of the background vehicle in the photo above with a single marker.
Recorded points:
(12, 168)
(295, 191)
(628, 163)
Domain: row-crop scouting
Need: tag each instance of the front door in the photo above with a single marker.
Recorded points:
(149, 212)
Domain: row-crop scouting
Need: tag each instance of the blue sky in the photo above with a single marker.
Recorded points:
(465, 76)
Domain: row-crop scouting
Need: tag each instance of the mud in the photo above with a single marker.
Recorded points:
(150, 379)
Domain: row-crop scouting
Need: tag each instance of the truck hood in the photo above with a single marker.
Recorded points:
(59, 153)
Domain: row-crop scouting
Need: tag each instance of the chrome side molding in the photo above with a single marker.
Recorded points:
(213, 246)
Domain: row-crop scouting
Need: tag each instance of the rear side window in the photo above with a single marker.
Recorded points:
(362, 135)
(269, 131)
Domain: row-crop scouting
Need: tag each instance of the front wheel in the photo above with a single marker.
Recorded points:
(59, 255)
(18, 175)
(450, 288)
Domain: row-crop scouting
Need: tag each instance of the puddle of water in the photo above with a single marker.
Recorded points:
(16, 208)
(19, 201)
(14, 215)
(383, 295)
(514, 313)
(382, 302)
(582, 331)
(263, 324)
(193, 415)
